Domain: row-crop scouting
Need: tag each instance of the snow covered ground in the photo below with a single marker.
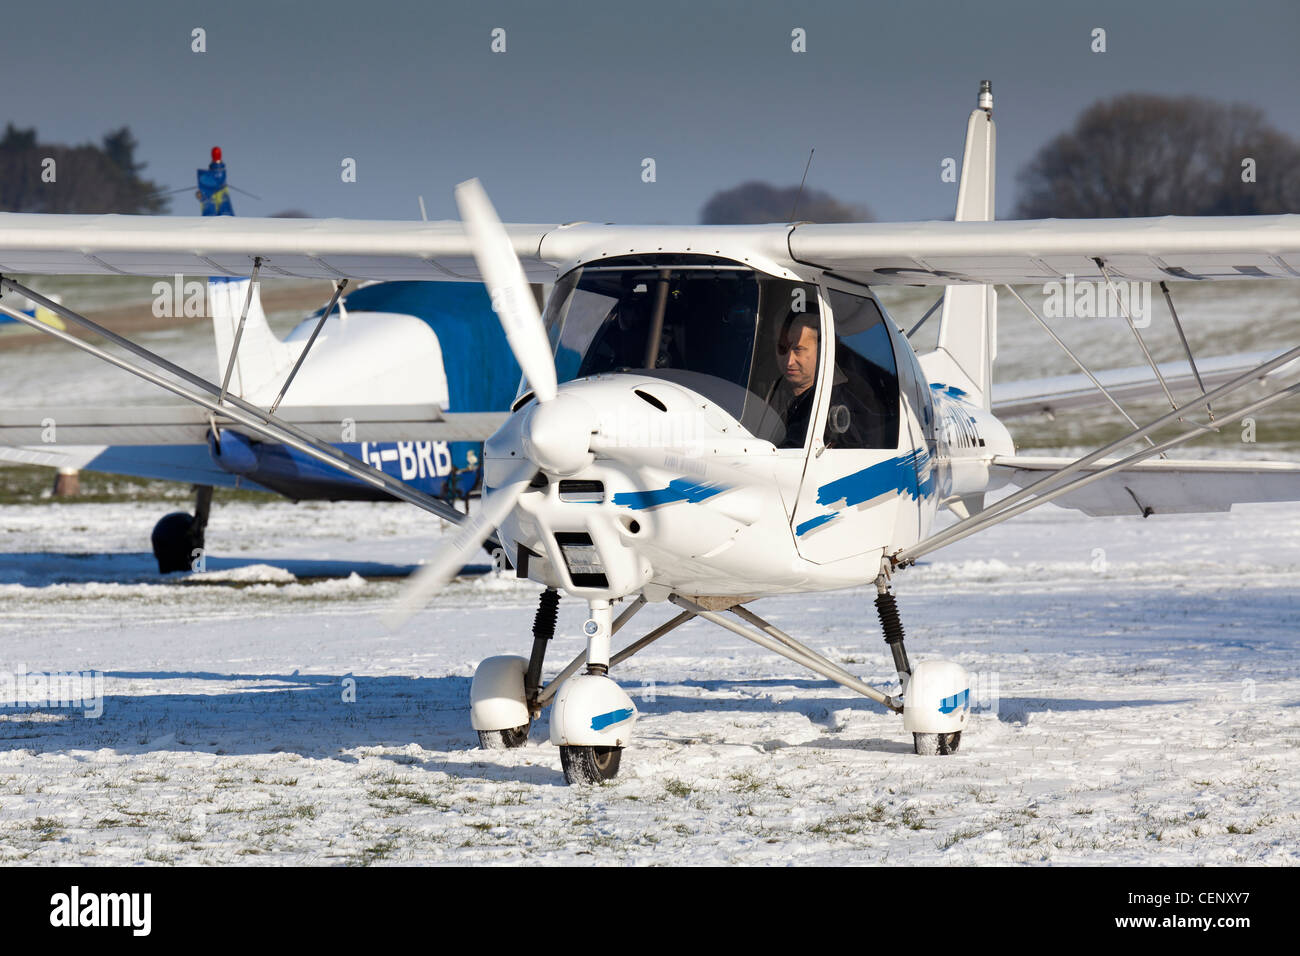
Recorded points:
(1140, 680)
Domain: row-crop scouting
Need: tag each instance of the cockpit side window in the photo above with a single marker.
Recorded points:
(864, 401)
(783, 378)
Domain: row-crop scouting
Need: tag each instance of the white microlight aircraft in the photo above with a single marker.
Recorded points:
(716, 414)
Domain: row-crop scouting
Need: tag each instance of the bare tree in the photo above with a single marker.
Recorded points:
(1144, 155)
(757, 202)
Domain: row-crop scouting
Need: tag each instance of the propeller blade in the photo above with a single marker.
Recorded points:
(454, 555)
(511, 297)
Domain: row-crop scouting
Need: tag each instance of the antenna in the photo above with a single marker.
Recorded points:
(801, 182)
(423, 215)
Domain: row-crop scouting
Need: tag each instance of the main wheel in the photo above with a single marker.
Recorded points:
(504, 739)
(590, 764)
(934, 745)
(174, 541)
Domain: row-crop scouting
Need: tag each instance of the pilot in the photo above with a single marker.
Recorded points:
(849, 421)
(797, 349)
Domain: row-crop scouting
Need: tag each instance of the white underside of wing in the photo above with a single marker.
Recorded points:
(1066, 392)
(1163, 486)
(57, 428)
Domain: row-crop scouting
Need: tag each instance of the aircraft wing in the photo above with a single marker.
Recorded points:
(908, 253)
(1163, 486)
(50, 428)
(1066, 392)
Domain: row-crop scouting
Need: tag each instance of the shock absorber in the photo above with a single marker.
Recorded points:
(543, 630)
(887, 609)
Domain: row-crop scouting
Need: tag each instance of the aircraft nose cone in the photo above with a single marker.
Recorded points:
(557, 435)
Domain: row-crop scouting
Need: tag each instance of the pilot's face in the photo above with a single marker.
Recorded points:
(798, 357)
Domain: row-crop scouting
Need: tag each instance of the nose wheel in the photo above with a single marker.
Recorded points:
(936, 745)
(588, 765)
(504, 739)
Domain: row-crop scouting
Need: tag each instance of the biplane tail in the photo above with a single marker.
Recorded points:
(967, 343)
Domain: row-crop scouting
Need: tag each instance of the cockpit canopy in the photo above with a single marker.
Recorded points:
(725, 331)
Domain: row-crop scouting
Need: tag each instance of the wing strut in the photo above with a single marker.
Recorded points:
(239, 332)
(249, 416)
(971, 525)
(928, 312)
(1136, 334)
(1077, 361)
(302, 357)
(1173, 313)
(1042, 490)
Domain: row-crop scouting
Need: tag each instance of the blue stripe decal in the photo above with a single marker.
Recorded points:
(956, 701)
(897, 475)
(806, 526)
(601, 721)
(952, 390)
(679, 489)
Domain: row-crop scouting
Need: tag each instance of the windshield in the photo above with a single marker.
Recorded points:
(708, 324)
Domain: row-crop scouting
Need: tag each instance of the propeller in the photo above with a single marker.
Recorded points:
(557, 431)
(512, 299)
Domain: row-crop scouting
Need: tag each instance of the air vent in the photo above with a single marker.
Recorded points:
(589, 492)
(650, 400)
(585, 569)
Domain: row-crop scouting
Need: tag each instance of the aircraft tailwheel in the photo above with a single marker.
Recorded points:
(586, 765)
(504, 739)
(934, 745)
(175, 539)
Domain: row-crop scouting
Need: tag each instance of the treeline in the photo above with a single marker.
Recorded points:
(45, 177)
(1145, 155)
(1136, 154)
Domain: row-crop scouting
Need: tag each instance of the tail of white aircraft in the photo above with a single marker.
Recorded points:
(263, 358)
(968, 323)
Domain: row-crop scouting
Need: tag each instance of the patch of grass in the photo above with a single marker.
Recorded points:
(48, 828)
(848, 824)
(965, 833)
(913, 820)
(377, 851)
(678, 788)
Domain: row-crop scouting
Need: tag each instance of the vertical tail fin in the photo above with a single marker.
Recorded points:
(967, 344)
(263, 359)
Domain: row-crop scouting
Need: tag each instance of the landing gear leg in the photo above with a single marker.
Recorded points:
(178, 537)
(592, 717)
(543, 632)
(936, 694)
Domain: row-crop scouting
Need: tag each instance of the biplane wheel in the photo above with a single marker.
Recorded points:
(934, 745)
(504, 739)
(589, 764)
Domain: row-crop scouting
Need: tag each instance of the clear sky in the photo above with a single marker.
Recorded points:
(557, 126)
